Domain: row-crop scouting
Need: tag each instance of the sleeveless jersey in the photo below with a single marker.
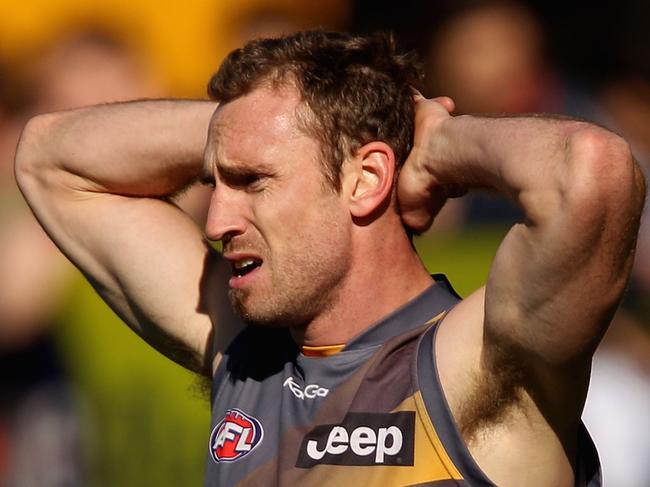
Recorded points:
(373, 414)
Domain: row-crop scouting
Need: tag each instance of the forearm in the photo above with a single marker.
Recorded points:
(544, 164)
(141, 148)
(506, 154)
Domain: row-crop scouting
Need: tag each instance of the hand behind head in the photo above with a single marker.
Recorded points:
(419, 193)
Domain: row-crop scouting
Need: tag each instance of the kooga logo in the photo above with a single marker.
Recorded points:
(311, 391)
(361, 439)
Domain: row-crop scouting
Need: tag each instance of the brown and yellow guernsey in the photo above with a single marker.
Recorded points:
(369, 413)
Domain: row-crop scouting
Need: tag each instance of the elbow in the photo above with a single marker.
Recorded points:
(32, 156)
(603, 176)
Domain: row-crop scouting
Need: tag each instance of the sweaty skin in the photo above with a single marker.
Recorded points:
(513, 357)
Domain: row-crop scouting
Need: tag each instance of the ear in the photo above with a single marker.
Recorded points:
(370, 180)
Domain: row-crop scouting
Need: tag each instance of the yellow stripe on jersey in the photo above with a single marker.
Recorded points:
(329, 350)
(322, 350)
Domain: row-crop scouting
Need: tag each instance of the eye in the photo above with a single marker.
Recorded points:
(208, 180)
(254, 182)
(249, 181)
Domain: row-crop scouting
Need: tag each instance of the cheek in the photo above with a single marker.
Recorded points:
(299, 218)
(298, 209)
(302, 233)
(320, 229)
(325, 218)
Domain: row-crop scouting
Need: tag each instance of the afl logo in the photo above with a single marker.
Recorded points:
(235, 436)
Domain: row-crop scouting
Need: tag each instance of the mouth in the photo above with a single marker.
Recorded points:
(244, 266)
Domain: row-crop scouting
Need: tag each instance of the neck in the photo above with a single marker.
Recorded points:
(385, 274)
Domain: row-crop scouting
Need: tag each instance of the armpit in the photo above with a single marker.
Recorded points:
(496, 393)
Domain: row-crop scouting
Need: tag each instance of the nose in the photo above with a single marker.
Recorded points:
(226, 217)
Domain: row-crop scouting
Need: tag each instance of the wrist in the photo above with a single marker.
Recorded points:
(437, 159)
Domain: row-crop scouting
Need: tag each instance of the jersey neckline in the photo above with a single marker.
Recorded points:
(435, 299)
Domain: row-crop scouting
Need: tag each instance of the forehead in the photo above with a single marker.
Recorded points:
(261, 126)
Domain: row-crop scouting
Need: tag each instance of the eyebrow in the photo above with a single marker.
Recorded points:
(242, 169)
(212, 165)
(231, 172)
(237, 171)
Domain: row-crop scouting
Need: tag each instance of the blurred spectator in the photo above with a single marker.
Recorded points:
(619, 396)
(491, 58)
(616, 411)
(274, 19)
(88, 67)
(92, 67)
(38, 408)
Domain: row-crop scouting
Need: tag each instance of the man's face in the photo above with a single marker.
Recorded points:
(285, 232)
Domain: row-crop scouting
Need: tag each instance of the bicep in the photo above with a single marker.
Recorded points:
(557, 279)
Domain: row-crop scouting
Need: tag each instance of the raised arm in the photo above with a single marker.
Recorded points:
(98, 180)
(558, 276)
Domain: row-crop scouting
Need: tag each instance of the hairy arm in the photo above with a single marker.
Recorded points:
(558, 276)
(98, 180)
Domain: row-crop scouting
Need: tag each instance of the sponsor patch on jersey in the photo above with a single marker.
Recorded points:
(235, 436)
(361, 439)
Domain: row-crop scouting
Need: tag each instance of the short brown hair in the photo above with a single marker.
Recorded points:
(357, 89)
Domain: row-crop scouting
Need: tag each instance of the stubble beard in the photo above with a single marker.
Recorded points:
(280, 311)
(295, 298)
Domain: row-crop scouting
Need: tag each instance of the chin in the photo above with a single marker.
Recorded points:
(269, 314)
(251, 314)
(266, 320)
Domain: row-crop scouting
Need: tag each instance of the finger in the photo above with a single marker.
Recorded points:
(417, 222)
(446, 102)
(417, 209)
(420, 219)
(417, 96)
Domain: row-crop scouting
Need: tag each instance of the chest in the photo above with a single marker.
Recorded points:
(313, 421)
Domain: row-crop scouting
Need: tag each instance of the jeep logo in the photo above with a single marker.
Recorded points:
(361, 439)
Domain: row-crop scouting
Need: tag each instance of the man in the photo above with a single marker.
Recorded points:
(347, 371)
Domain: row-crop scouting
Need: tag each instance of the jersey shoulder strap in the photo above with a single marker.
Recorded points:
(588, 473)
